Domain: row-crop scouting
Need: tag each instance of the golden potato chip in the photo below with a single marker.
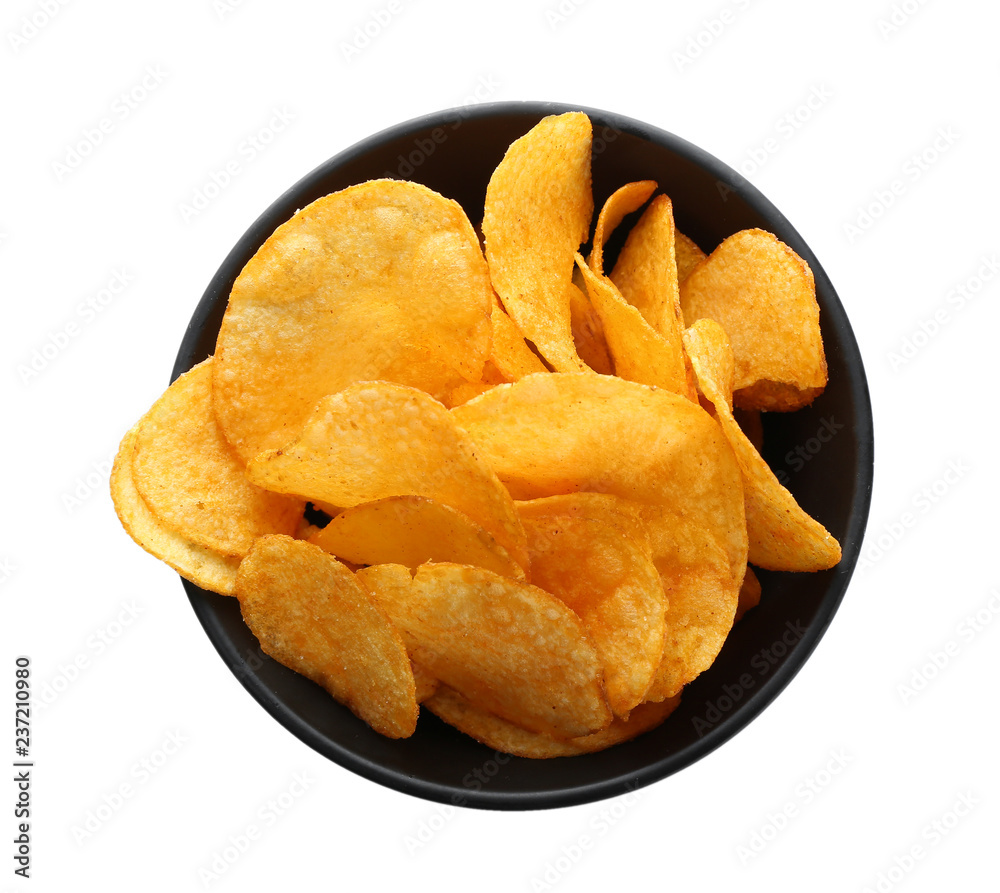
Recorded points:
(562, 432)
(588, 333)
(639, 353)
(645, 275)
(427, 685)
(764, 297)
(310, 613)
(622, 202)
(538, 210)
(782, 536)
(622, 514)
(509, 647)
(510, 352)
(384, 280)
(202, 566)
(506, 737)
(612, 585)
(749, 594)
(687, 255)
(702, 595)
(192, 480)
(376, 439)
(412, 530)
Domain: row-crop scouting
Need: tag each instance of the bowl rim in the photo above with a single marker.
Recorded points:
(286, 205)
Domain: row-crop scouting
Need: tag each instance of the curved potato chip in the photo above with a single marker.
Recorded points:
(622, 514)
(645, 275)
(426, 684)
(538, 210)
(204, 567)
(376, 439)
(588, 334)
(750, 593)
(622, 202)
(411, 530)
(562, 432)
(687, 255)
(510, 352)
(640, 353)
(702, 594)
(310, 613)
(613, 586)
(509, 647)
(764, 297)
(782, 536)
(384, 280)
(192, 480)
(506, 737)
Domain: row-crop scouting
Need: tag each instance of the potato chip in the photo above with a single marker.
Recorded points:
(612, 585)
(537, 214)
(764, 297)
(510, 352)
(588, 333)
(509, 647)
(639, 354)
(204, 567)
(622, 514)
(192, 480)
(384, 280)
(750, 593)
(411, 530)
(645, 275)
(562, 432)
(702, 594)
(506, 737)
(310, 613)
(782, 536)
(623, 201)
(687, 255)
(427, 685)
(376, 439)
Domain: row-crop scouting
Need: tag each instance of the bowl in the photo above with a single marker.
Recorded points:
(823, 454)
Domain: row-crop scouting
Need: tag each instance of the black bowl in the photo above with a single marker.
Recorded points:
(823, 454)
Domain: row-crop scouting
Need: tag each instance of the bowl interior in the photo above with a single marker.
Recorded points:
(823, 454)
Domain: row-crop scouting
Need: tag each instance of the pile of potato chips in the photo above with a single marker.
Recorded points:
(490, 478)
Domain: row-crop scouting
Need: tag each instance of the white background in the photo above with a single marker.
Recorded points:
(900, 92)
